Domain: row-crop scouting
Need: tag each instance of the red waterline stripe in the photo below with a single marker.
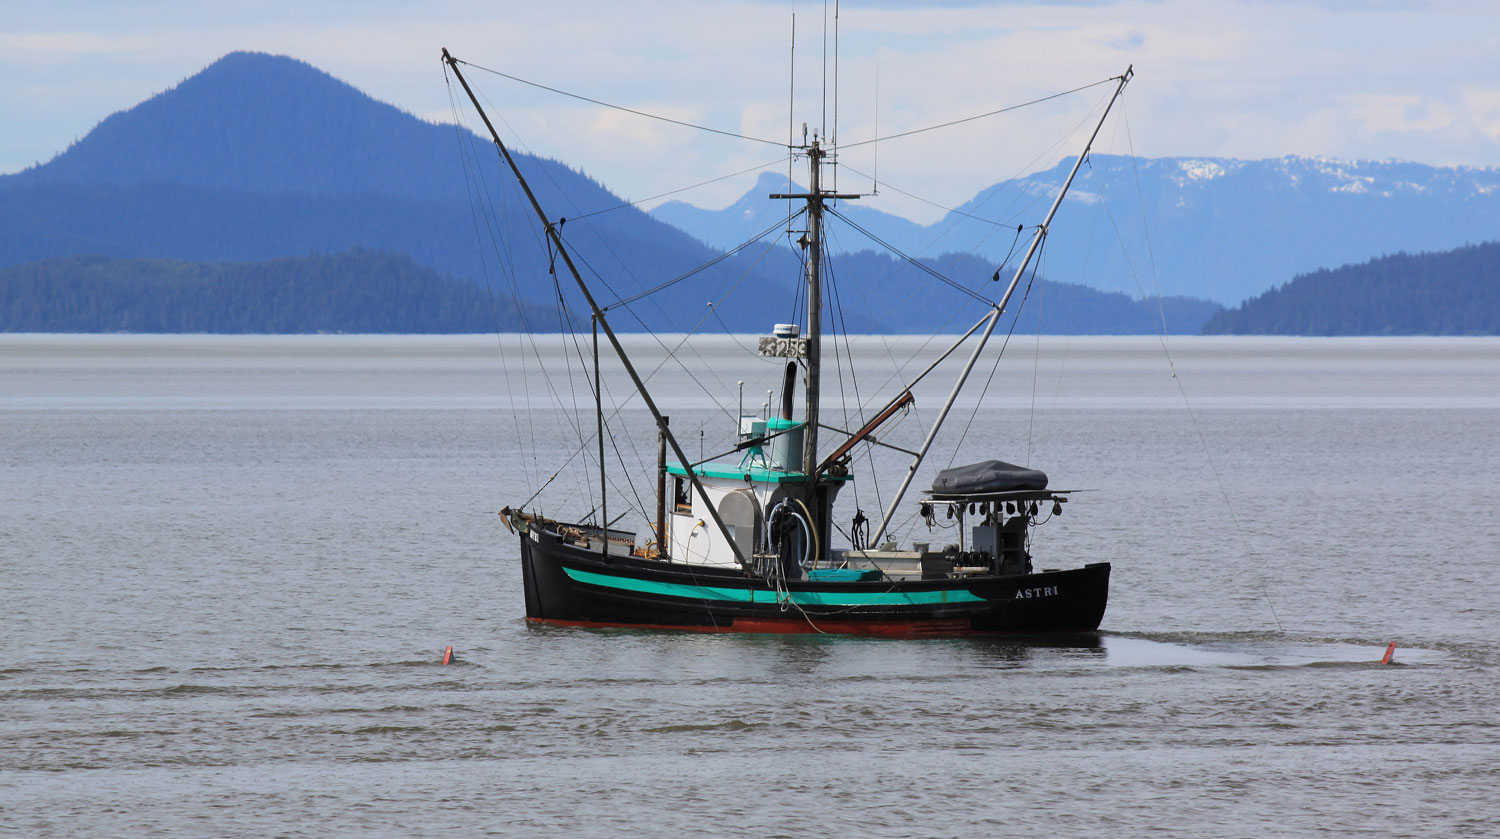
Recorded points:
(798, 626)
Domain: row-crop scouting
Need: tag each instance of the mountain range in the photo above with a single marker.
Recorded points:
(260, 158)
(1214, 228)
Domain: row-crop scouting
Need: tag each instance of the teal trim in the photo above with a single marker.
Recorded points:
(843, 575)
(755, 473)
(753, 595)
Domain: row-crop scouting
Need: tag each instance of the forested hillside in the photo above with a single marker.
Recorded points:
(1450, 293)
(260, 159)
(1216, 228)
(355, 291)
(897, 295)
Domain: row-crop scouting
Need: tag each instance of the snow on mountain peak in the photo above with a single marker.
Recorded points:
(1201, 170)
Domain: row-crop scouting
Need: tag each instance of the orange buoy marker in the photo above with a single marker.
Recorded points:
(1389, 652)
(448, 654)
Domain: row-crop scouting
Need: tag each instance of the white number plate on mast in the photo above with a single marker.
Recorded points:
(783, 347)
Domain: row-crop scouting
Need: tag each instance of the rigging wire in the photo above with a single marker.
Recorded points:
(1020, 307)
(1006, 109)
(578, 256)
(989, 195)
(649, 332)
(542, 245)
(536, 350)
(506, 261)
(469, 190)
(565, 315)
(705, 266)
(1036, 352)
(670, 355)
(569, 329)
(897, 367)
(766, 165)
(945, 208)
(898, 252)
(1182, 389)
(601, 103)
(868, 448)
(640, 506)
(836, 315)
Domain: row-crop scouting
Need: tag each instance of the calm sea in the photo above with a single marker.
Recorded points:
(229, 567)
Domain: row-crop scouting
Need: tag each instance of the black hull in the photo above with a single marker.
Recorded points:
(569, 585)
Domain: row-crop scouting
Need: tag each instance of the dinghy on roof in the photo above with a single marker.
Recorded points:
(988, 476)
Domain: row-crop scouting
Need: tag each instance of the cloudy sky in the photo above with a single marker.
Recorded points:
(1380, 79)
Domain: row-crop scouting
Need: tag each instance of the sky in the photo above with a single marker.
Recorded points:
(1254, 79)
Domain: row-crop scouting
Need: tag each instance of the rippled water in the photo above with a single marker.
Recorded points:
(230, 566)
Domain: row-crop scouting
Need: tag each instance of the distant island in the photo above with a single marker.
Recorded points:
(1450, 293)
(365, 291)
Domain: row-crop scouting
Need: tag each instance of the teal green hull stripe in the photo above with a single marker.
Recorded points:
(804, 598)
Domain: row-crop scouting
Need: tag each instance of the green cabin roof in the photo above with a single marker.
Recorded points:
(757, 474)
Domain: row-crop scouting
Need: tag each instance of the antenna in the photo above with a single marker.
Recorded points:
(835, 139)
(875, 177)
(823, 123)
(791, 106)
(791, 93)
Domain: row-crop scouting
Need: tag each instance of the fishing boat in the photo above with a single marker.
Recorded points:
(744, 542)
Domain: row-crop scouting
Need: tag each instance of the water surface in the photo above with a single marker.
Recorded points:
(230, 566)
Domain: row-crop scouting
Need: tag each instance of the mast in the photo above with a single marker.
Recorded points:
(814, 312)
(640, 386)
(661, 490)
(599, 418)
(812, 240)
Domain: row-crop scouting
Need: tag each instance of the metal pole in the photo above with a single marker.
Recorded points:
(599, 414)
(661, 490)
(609, 333)
(814, 317)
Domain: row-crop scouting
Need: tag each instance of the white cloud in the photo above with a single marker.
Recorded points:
(1218, 79)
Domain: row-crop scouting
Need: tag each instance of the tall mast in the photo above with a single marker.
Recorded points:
(813, 241)
(814, 310)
